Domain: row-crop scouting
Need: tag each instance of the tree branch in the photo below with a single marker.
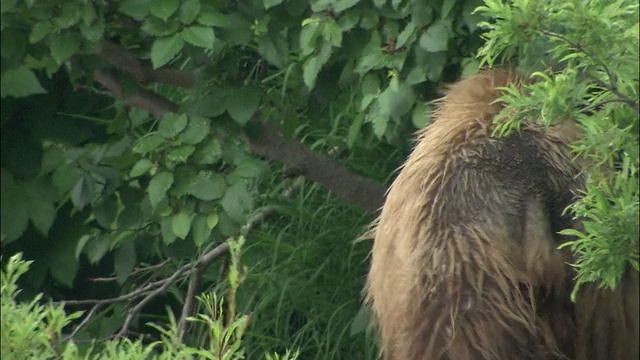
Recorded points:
(356, 189)
(122, 59)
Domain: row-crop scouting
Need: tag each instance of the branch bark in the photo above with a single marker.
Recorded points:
(356, 189)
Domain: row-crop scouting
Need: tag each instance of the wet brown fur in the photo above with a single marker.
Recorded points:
(465, 262)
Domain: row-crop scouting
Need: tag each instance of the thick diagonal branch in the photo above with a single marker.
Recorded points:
(329, 173)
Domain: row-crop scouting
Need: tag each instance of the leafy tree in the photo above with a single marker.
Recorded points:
(584, 56)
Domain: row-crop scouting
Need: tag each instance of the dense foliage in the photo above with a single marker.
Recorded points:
(138, 137)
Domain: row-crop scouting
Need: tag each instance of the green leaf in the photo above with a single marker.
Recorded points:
(354, 130)
(407, 36)
(237, 201)
(124, 258)
(331, 32)
(137, 9)
(40, 204)
(416, 76)
(447, 5)
(141, 167)
(313, 65)
(183, 178)
(148, 143)
(200, 36)
(97, 247)
(164, 49)
(164, 8)
(81, 193)
(180, 154)
(271, 3)
(378, 120)
(158, 27)
(209, 16)
(158, 187)
(436, 38)
(40, 30)
(200, 230)
(13, 222)
(342, 5)
(274, 48)
(421, 115)
(181, 224)
(396, 103)
(212, 220)
(189, 11)
(106, 211)
(207, 186)
(243, 103)
(209, 153)
(20, 82)
(251, 168)
(64, 45)
(172, 124)
(166, 228)
(94, 32)
(196, 131)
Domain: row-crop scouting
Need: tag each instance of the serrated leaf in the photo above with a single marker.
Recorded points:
(12, 223)
(354, 130)
(164, 8)
(81, 244)
(124, 258)
(40, 30)
(311, 68)
(81, 193)
(447, 5)
(200, 36)
(331, 32)
(378, 120)
(212, 220)
(342, 5)
(396, 103)
(237, 201)
(421, 115)
(141, 167)
(209, 16)
(182, 181)
(209, 153)
(137, 9)
(96, 248)
(158, 187)
(64, 45)
(271, 3)
(181, 225)
(200, 230)
(274, 48)
(180, 154)
(416, 76)
(250, 168)
(242, 104)
(436, 38)
(148, 143)
(20, 82)
(196, 131)
(409, 32)
(208, 186)
(189, 11)
(172, 124)
(40, 204)
(164, 49)
(106, 211)
(159, 27)
(166, 228)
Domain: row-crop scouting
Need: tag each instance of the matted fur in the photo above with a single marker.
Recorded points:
(465, 262)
